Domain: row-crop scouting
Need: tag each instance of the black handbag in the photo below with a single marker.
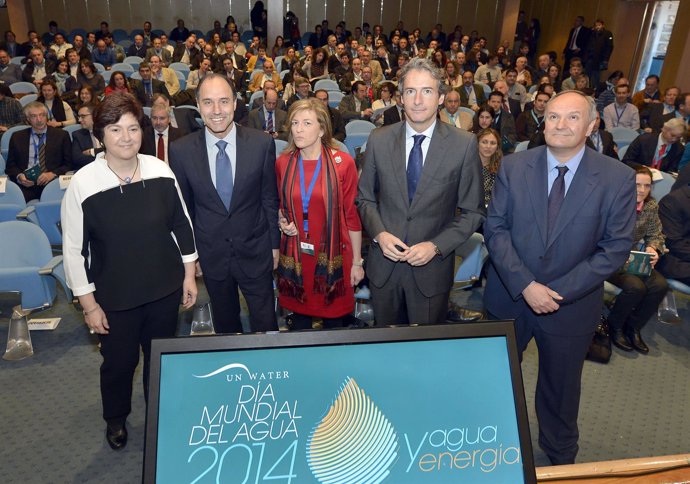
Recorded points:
(600, 347)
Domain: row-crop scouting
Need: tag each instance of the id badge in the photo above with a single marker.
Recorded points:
(306, 248)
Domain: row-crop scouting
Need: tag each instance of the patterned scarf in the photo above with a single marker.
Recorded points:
(328, 275)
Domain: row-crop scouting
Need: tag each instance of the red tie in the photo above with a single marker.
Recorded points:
(160, 153)
(506, 106)
(659, 157)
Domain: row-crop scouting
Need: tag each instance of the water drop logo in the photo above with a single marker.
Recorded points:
(354, 443)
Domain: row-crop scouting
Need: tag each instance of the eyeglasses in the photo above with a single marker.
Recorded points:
(82, 116)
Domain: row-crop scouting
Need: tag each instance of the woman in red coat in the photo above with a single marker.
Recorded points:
(320, 251)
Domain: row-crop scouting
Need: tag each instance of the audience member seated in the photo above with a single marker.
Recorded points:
(483, 119)
(158, 50)
(118, 83)
(489, 72)
(10, 109)
(182, 119)
(38, 69)
(386, 99)
(510, 105)
(180, 33)
(256, 62)
(396, 113)
(674, 212)
(602, 140)
(654, 115)
(195, 77)
(186, 52)
(259, 101)
(661, 151)
(376, 71)
(60, 46)
(59, 112)
(575, 71)
(157, 137)
(650, 93)
(268, 118)
(351, 76)
(233, 74)
(138, 48)
(31, 165)
(85, 146)
(145, 88)
(102, 55)
(621, 113)
(356, 105)
(302, 90)
(606, 91)
(490, 154)
(337, 123)
(66, 84)
(503, 122)
(451, 114)
(640, 295)
(471, 93)
(516, 90)
(91, 77)
(316, 67)
(10, 45)
(9, 73)
(531, 122)
(269, 73)
(164, 74)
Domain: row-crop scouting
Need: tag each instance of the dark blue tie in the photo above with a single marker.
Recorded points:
(556, 198)
(223, 174)
(414, 166)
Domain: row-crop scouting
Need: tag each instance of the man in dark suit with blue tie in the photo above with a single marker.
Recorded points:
(560, 221)
(420, 197)
(227, 176)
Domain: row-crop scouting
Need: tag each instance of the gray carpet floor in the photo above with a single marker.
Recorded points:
(52, 432)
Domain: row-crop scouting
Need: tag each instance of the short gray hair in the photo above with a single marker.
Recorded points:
(675, 123)
(419, 64)
(34, 105)
(590, 102)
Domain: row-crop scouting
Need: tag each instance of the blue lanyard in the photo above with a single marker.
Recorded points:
(37, 140)
(306, 195)
(619, 114)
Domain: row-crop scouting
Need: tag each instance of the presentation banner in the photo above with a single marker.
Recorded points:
(396, 412)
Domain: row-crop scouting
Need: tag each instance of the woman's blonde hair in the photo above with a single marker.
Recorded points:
(322, 117)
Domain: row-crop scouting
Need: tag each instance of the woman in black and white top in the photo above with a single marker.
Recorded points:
(129, 253)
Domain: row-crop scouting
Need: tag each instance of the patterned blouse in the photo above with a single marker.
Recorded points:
(489, 180)
(648, 227)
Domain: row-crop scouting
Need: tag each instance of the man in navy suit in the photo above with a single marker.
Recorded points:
(554, 235)
(226, 173)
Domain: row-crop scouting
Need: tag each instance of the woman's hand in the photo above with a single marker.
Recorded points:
(288, 229)
(655, 255)
(96, 321)
(189, 292)
(356, 274)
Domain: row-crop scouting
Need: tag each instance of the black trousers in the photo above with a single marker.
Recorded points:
(225, 301)
(130, 330)
(638, 300)
(399, 300)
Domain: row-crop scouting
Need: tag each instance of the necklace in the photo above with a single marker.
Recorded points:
(128, 179)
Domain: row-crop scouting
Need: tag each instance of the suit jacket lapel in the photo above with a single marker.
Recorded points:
(580, 188)
(204, 169)
(397, 150)
(433, 160)
(241, 169)
(537, 188)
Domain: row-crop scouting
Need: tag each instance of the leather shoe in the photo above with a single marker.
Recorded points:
(620, 340)
(463, 315)
(636, 340)
(116, 436)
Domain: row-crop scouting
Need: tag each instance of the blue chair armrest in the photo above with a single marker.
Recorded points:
(25, 213)
(55, 268)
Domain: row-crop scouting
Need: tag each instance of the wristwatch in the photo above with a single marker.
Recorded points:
(437, 251)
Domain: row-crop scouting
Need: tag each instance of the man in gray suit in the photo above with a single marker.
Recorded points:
(415, 177)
